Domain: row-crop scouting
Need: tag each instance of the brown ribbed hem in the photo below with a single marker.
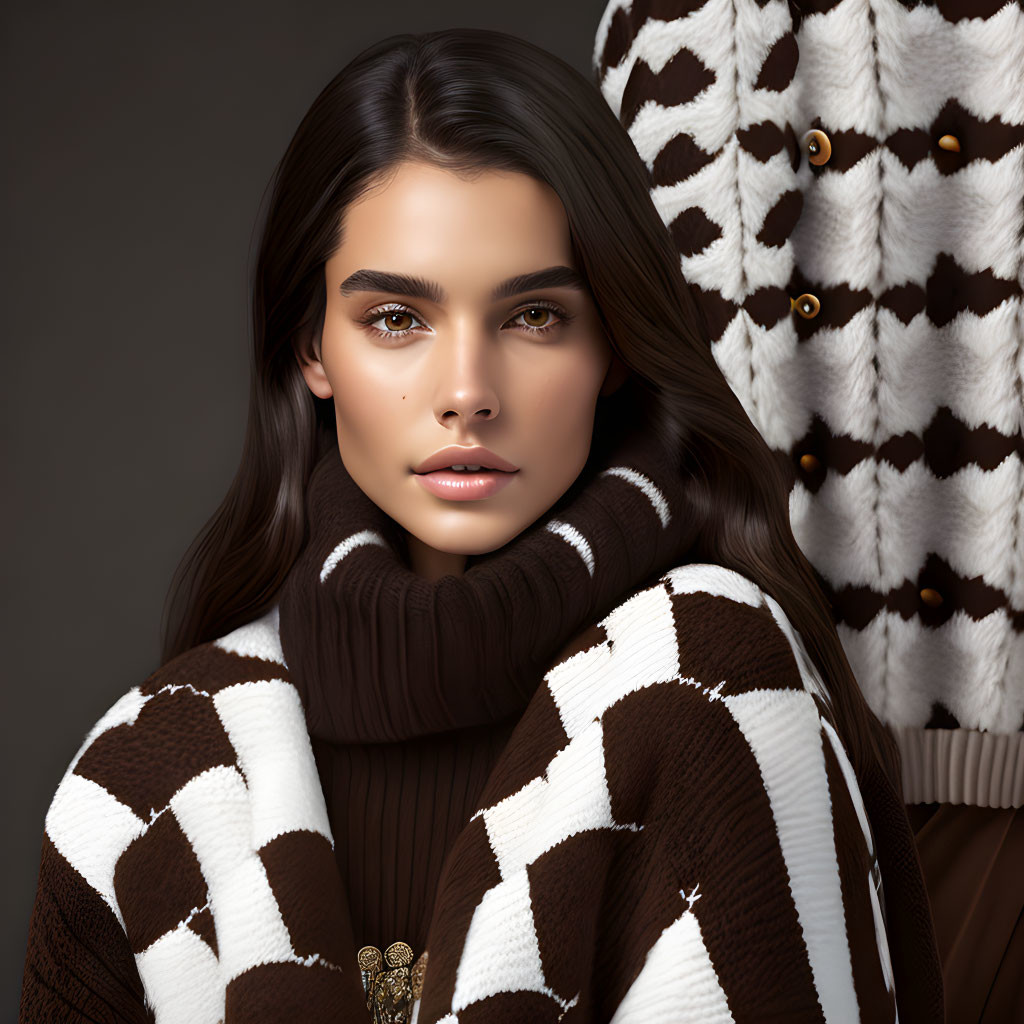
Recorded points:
(961, 766)
(970, 859)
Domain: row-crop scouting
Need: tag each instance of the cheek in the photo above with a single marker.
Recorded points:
(366, 401)
(561, 406)
(366, 427)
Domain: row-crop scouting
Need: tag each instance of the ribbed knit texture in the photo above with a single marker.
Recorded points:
(395, 810)
(412, 688)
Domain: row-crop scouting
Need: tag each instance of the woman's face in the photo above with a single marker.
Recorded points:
(456, 317)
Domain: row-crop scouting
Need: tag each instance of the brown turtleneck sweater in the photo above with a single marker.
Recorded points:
(395, 810)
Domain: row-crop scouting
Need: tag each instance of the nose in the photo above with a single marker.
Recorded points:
(465, 393)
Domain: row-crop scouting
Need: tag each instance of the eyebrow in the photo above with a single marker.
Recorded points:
(418, 287)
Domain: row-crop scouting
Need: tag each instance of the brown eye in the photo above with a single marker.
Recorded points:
(391, 318)
(537, 313)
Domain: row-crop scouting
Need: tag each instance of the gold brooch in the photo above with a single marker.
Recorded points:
(391, 989)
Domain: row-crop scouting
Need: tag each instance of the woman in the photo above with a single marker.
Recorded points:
(499, 656)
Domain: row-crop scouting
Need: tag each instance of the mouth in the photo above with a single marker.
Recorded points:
(465, 459)
(470, 484)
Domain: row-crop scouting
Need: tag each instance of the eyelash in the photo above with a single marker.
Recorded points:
(381, 311)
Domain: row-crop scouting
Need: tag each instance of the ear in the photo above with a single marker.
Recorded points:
(617, 374)
(307, 354)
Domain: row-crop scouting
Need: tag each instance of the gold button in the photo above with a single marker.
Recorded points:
(809, 462)
(950, 142)
(932, 598)
(806, 305)
(818, 147)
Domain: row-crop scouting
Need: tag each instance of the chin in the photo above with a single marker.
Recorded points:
(471, 542)
(482, 547)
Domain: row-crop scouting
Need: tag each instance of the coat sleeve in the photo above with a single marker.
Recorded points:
(78, 965)
(763, 854)
(779, 914)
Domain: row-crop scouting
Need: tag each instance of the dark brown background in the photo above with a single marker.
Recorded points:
(138, 141)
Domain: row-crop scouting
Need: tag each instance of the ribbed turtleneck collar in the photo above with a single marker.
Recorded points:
(380, 654)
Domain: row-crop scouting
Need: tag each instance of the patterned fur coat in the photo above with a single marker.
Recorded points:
(844, 182)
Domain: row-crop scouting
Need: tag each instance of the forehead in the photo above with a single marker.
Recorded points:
(428, 220)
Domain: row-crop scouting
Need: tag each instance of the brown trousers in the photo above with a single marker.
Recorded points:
(973, 864)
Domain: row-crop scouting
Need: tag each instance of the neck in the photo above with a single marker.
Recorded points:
(432, 564)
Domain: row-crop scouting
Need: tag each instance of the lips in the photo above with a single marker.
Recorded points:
(464, 485)
(462, 455)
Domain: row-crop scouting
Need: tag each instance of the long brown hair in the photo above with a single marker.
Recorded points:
(470, 100)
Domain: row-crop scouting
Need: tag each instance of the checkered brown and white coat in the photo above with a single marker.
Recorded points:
(672, 833)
